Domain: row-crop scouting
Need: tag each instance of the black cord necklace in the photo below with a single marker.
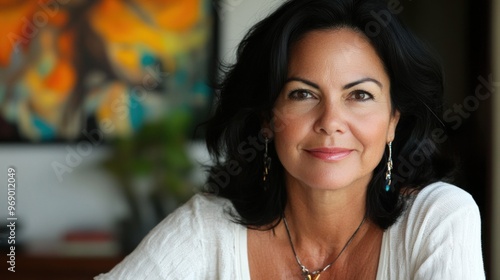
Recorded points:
(314, 275)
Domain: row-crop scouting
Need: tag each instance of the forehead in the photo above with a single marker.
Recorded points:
(343, 53)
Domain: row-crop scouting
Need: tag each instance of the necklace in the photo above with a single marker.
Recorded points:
(314, 275)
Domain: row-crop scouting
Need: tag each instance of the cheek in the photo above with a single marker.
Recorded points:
(288, 133)
(289, 137)
(372, 133)
(290, 117)
(371, 122)
(284, 147)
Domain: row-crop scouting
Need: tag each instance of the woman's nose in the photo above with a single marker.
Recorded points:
(330, 119)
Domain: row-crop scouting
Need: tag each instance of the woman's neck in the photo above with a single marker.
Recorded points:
(321, 221)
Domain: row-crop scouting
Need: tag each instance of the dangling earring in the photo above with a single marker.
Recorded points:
(388, 173)
(267, 161)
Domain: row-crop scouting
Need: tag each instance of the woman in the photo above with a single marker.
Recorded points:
(325, 142)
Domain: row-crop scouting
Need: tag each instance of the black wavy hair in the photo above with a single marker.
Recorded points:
(247, 93)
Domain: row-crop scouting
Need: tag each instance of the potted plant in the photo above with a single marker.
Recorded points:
(152, 167)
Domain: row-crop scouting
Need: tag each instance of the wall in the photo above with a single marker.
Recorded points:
(47, 207)
(88, 197)
(236, 17)
(85, 198)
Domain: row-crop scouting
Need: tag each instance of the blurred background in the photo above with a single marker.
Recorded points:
(100, 102)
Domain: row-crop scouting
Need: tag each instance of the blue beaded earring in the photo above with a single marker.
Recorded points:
(388, 173)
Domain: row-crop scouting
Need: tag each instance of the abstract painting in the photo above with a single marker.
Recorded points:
(71, 67)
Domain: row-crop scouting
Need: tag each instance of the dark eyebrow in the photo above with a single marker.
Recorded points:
(364, 80)
(349, 85)
(303, 81)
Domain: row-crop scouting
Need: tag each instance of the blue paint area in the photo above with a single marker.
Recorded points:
(201, 88)
(181, 76)
(46, 131)
(147, 60)
(137, 113)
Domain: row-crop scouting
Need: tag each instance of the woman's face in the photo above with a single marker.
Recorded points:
(333, 118)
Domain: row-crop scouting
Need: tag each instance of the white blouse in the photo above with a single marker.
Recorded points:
(437, 237)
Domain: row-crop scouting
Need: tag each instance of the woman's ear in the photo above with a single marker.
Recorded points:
(267, 130)
(267, 127)
(393, 123)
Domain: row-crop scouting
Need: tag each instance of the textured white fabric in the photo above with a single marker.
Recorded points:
(438, 237)
(197, 241)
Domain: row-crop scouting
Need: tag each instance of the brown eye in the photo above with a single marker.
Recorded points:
(361, 95)
(299, 94)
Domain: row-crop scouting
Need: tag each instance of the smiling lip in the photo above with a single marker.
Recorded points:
(329, 154)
